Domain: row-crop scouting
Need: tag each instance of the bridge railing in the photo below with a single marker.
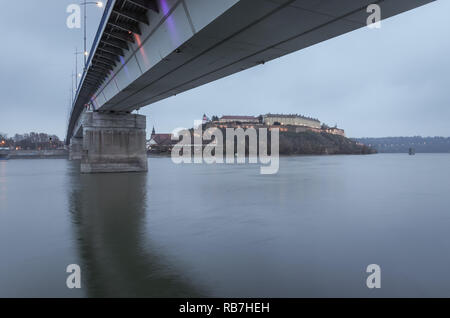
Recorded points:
(103, 22)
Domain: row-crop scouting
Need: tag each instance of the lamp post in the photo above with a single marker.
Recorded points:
(85, 3)
(72, 90)
(77, 75)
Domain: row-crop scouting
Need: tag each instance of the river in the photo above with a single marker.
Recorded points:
(226, 230)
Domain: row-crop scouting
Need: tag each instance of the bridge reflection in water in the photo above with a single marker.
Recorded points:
(109, 216)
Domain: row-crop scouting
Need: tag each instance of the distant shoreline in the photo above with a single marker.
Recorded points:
(403, 144)
(168, 155)
(35, 154)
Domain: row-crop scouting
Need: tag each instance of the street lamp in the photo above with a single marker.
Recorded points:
(85, 3)
(77, 75)
(72, 90)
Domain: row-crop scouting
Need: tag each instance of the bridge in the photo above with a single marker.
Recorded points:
(147, 50)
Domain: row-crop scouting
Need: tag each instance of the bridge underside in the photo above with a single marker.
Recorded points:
(177, 45)
(246, 35)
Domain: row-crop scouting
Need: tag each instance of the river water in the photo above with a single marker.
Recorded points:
(225, 230)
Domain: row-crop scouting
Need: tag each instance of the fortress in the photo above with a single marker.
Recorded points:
(285, 122)
(292, 120)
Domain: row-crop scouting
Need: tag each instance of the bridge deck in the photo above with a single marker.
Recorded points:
(174, 46)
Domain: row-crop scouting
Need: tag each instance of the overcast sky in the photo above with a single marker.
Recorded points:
(393, 81)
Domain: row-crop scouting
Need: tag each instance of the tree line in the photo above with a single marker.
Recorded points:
(31, 141)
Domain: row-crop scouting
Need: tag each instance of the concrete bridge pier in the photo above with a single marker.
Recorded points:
(75, 148)
(113, 142)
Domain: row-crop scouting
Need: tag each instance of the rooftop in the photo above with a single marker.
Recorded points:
(162, 139)
(291, 116)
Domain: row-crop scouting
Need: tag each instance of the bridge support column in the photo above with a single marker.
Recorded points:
(75, 148)
(113, 143)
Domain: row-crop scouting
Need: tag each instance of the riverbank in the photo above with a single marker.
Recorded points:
(36, 154)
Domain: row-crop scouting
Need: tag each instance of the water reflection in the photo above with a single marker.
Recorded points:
(109, 214)
(2, 183)
(226, 231)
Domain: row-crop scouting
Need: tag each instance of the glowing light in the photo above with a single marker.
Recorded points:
(141, 49)
(79, 74)
(165, 7)
(122, 61)
(170, 22)
(99, 4)
(85, 53)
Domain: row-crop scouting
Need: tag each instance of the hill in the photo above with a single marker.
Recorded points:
(313, 143)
